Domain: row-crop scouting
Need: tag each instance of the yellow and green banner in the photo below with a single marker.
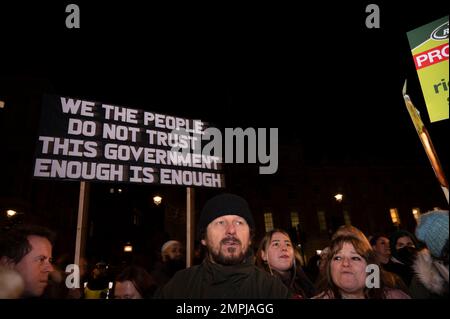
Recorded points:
(429, 47)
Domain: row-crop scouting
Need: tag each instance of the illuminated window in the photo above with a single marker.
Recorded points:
(416, 213)
(294, 219)
(268, 221)
(322, 220)
(394, 216)
(347, 219)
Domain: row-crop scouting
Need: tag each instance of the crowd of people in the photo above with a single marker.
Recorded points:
(400, 265)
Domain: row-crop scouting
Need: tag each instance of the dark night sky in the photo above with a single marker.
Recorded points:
(319, 80)
(331, 86)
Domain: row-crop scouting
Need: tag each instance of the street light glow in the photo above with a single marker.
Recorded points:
(416, 214)
(339, 197)
(11, 213)
(128, 248)
(157, 199)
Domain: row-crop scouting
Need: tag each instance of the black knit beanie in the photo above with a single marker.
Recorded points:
(224, 204)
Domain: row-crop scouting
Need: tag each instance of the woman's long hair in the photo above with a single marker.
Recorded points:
(141, 280)
(365, 251)
(299, 283)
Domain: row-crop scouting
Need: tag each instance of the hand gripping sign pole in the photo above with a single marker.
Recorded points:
(426, 142)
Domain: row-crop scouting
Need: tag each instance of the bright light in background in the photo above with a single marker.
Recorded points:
(157, 199)
(11, 213)
(416, 214)
(128, 248)
(394, 216)
(119, 190)
(318, 251)
(339, 197)
(2, 104)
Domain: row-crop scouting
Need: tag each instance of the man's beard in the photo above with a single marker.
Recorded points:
(233, 258)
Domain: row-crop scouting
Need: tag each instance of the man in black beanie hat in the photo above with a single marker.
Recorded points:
(225, 227)
(227, 245)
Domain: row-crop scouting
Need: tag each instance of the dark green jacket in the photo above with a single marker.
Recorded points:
(214, 281)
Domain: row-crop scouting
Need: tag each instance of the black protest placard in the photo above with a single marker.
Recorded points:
(91, 141)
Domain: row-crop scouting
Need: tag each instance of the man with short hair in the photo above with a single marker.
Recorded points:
(380, 245)
(28, 251)
(226, 227)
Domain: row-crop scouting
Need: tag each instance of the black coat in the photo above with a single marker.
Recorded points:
(214, 281)
(298, 283)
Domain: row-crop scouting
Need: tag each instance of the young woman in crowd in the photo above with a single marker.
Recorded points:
(278, 256)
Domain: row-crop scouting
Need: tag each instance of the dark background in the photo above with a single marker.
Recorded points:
(331, 86)
(314, 72)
